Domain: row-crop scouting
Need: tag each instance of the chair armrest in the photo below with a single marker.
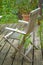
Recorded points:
(35, 11)
(22, 21)
(8, 34)
(16, 30)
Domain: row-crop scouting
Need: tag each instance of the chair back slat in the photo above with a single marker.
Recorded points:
(33, 18)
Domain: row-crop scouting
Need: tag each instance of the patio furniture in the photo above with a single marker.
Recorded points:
(15, 33)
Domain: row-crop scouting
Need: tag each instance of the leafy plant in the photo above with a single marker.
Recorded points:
(8, 11)
(27, 40)
(8, 18)
(25, 6)
(40, 32)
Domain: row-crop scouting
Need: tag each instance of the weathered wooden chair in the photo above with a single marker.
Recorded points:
(16, 34)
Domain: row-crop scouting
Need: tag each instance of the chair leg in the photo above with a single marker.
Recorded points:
(41, 47)
(23, 58)
(13, 55)
(33, 48)
(41, 43)
(33, 56)
(18, 50)
(42, 52)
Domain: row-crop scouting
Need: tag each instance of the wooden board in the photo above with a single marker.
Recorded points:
(7, 51)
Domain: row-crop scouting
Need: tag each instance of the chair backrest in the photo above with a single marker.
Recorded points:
(33, 17)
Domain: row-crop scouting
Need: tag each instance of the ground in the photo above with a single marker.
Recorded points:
(6, 50)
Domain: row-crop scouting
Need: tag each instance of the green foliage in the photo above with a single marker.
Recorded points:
(34, 4)
(8, 11)
(10, 8)
(42, 9)
(27, 42)
(9, 18)
(40, 27)
(0, 6)
(40, 32)
(25, 6)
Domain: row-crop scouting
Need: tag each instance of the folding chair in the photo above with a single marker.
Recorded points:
(30, 28)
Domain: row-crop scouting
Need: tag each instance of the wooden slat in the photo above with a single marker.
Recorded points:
(16, 30)
(7, 51)
(1, 42)
(22, 21)
(8, 60)
(3, 53)
(7, 56)
(2, 28)
(2, 45)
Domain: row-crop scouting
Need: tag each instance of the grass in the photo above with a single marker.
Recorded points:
(8, 18)
(40, 32)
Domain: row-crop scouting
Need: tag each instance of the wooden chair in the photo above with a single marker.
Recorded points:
(29, 29)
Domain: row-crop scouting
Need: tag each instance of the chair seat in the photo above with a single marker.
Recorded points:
(18, 39)
(16, 36)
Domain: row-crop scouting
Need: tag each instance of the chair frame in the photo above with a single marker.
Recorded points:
(32, 13)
